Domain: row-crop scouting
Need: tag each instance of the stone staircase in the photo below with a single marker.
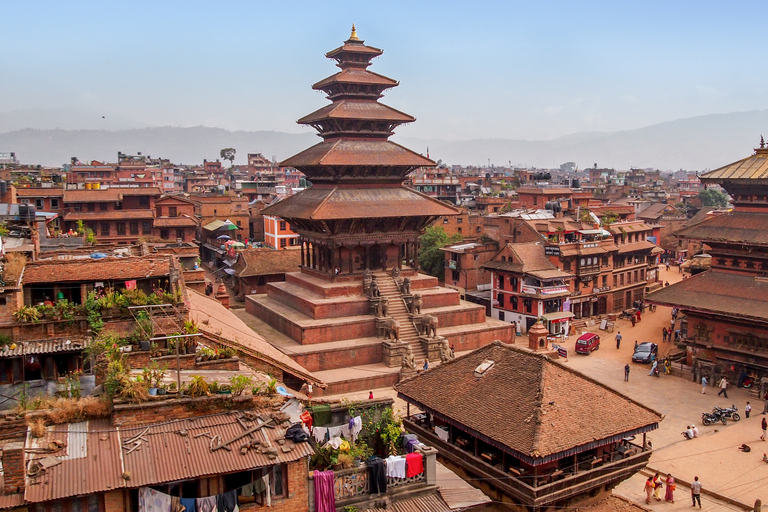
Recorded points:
(399, 312)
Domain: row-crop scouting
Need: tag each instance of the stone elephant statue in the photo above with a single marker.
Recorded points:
(427, 325)
(391, 329)
(415, 305)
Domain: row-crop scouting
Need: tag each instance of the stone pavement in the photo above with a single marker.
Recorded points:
(714, 458)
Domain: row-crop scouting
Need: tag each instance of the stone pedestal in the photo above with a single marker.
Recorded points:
(393, 352)
(407, 374)
(432, 347)
(222, 295)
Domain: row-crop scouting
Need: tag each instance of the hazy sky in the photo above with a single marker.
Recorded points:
(467, 69)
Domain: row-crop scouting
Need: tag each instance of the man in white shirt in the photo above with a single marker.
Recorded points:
(695, 430)
(696, 491)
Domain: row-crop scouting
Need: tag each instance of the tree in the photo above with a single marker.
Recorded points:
(228, 154)
(713, 197)
(430, 256)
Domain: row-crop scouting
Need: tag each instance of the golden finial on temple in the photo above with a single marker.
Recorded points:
(353, 37)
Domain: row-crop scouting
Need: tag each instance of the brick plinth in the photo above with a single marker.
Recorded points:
(13, 467)
(341, 357)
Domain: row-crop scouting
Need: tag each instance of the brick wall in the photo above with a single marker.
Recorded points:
(114, 501)
(149, 413)
(13, 467)
(298, 491)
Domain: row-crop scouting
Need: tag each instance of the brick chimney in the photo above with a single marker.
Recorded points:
(13, 467)
(222, 295)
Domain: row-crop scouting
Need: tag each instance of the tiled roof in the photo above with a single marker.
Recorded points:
(213, 318)
(730, 227)
(714, 291)
(96, 456)
(628, 226)
(542, 191)
(356, 76)
(111, 215)
(107, 269)
(642, 245)
(528, 258)
(325, 203)
(754, 167)
(655, 211)
(39, 192)
(107, 194)
(354, 47)
(360, 109)
(359, 153)
(259, 262)
(536, 408)
(174, 222)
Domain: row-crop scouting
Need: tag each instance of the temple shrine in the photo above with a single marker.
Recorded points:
(359, 230)
(725, 309)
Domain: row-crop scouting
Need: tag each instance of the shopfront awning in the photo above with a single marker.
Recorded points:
(558, 316)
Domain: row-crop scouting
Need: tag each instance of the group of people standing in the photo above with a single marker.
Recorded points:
(655, 484)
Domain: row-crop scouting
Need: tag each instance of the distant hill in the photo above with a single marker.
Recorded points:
(698, 143)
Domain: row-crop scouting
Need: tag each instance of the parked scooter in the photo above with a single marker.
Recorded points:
(728, 412)
(708, 418)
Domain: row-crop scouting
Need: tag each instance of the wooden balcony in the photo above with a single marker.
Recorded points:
(544, 490)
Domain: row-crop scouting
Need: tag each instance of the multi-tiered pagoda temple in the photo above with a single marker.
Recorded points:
(360, 229)
(357, 214)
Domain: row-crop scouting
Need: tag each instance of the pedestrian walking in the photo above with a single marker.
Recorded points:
(638, 314)
(747, 409)
(648, 490)
(703, 385)
(426, 367)
(696, 491)
(636, 351)
(618, 340)
(633, 319)
(657, 486)
(723, 385)
(664, 334)
(670, 495)
(626, 373)
(765, 403)
(370, 395)
(653, 368)
(672, 325)
(764, 424)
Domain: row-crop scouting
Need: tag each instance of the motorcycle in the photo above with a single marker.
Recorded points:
(728, 412)
(626, 314)
(708, 418)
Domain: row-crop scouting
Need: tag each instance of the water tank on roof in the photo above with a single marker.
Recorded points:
(575, 183)
(3, 186)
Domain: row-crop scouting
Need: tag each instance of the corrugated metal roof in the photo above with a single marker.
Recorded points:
(96, 456)
(430, 503)
(44, 347)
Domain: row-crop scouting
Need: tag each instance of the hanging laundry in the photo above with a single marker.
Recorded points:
(334, 431)
(325, 499)
(268, 499)
(227, 502)
(414, 463)
(322, 414)
(396, 466)
(319, 434)
(334, 442)
(246, 491)
(259, 487)
(206, 504)
(442, 433)
(151, 500)
(358, 426)
(189, 504)
(176, 505)
(377, 475)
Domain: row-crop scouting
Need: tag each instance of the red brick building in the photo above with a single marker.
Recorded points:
(725, 323)
(537, 198)
(114, 214)
(526, 286)
(464, 265)
(175, 219)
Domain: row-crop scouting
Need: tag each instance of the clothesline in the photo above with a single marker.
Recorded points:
(350, 430)
(151, 500)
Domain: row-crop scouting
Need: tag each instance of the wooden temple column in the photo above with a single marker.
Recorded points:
(303, 246)
(351, 252)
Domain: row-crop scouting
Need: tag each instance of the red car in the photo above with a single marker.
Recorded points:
(587, 343)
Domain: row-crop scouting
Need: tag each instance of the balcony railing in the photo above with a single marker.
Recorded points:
(351, 483)
(587, 269)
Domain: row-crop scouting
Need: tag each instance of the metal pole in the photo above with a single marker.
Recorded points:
(178, 368)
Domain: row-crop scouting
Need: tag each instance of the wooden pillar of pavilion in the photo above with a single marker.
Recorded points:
(302, 251)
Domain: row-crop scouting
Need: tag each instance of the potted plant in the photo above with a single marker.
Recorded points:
(144, 345)
(345, 459)
(172, 387)
(335, 464)
(198, 386)
(225, 389)
(213, 387)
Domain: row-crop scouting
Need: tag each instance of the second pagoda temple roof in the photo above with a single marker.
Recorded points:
(357, 109)
(348, 152)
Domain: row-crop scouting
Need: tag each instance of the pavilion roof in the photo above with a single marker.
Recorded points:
(527, 404)
(344, 152)
(714, 291)
(357, 109)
